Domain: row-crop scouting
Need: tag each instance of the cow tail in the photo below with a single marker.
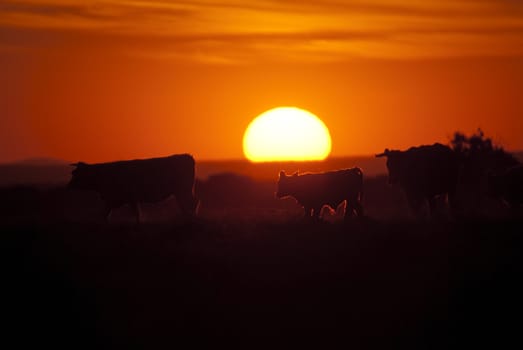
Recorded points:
(360, 174)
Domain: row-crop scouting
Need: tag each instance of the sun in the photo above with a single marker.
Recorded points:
(286, 134)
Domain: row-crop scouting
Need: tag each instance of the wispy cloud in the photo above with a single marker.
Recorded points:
(233, 31)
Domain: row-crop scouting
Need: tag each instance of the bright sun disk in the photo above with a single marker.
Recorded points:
(286, 134)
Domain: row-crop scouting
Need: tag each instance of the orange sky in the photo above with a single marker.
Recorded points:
(118, 79)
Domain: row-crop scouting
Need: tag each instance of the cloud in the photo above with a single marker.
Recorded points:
(245, 31)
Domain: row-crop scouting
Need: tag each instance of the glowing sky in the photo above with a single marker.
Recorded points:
(101, 80)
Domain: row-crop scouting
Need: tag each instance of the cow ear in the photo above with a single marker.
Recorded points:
(282, 174)
(78, 165)
(295, 173)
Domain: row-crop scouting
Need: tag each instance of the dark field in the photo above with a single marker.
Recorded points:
(361, 285)
(249, 271)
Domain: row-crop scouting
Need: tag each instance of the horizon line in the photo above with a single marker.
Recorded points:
(55, 160)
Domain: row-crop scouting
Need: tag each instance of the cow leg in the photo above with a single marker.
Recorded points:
(349, 209)
(359, 208)
(356, 209)
(433, 202)
(514, 208)
(188, 204)
(308, 212)
(137, 212)
(454, 205)
(341, 208)
(317, 213)
(106, 212)
(415, 204)
(353, 207)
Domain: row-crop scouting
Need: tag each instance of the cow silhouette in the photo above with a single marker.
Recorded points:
(424, 173)
(314, 190)
(139, 181)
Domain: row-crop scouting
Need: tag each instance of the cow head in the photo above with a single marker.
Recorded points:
(285, 184)
(395, 165)
(81, 176)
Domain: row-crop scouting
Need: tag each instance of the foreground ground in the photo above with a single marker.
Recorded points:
(366, 284)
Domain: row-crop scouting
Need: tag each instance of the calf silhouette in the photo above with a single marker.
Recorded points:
(314, 190)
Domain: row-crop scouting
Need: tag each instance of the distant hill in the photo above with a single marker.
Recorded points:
(35, 172)
(39, 161)
(48, 171)
(44, 171)
(371, 166)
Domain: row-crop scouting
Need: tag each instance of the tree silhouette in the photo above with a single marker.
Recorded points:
(479, 158)
(479, 155)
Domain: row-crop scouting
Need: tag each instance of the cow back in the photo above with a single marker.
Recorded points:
(428, 170)
(141, 180)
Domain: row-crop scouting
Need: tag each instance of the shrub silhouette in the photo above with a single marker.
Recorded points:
(479, 155)
(480, 158)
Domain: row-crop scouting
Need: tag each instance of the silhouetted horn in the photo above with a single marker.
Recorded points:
(384, 154)
(78, 164)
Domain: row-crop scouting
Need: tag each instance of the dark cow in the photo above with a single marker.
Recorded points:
(424, 173)
(313, 191)
(508, 186)
(141, 180)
